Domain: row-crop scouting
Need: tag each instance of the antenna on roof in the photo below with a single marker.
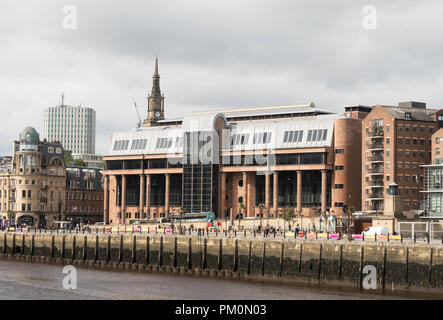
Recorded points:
(138, 114)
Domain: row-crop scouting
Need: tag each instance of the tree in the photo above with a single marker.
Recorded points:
(261, 207)
(182, 211)
(69, 160)
(288, 214)
(241, 209)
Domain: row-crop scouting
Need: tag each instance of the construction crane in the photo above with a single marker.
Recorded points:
(138, 114)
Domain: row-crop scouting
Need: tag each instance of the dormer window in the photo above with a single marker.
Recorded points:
(408, 115)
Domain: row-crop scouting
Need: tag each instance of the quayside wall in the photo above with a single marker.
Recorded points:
(412, 267)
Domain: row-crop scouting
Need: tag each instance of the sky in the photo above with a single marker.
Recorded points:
(212, 54)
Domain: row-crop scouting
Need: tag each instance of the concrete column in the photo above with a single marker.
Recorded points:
(167, 186)
(223, 195)
(123, 220)
(268, 193)
(142, 195)
(106, 199)
(275, 194)
(324, 175)
(299, 190)
(245, 198)
(148, 196)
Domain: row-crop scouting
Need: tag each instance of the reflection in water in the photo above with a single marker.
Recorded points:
(21, 280)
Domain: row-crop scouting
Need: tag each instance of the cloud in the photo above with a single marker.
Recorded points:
(212, 54)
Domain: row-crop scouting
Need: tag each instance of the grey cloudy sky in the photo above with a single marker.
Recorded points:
(213, 54)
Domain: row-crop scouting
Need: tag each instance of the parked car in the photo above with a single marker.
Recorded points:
(375, 230)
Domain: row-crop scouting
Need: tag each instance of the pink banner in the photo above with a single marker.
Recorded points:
(357, 236)
(311, 235)
(168, 230)
(334, 236)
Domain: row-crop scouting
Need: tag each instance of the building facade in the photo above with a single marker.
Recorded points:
(72, 126)
(32, 184)
(433, 185)
(93, 161)
(84, 195)
(396, 143)
(234, 162)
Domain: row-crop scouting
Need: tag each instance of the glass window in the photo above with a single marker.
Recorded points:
(285, 138)
(291, 133)
(309, 136)
(314, 135)
(325, 134)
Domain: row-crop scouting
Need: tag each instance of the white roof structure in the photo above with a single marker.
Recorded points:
(285, 133)
(258, 111)
(202, 121)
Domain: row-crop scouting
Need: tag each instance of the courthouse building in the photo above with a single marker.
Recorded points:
(234, 161)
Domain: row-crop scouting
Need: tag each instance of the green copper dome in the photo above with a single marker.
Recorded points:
(29, 136)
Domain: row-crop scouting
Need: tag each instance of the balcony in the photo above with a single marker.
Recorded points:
(376, 196)
(376, 170)
(376, 184)
(375, 146)
(376, 133)
(376, 158)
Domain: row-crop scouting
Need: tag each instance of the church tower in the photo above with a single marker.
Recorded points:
(155, 101)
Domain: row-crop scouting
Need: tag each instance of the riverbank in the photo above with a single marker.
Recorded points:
(416, 268)
(26, 280)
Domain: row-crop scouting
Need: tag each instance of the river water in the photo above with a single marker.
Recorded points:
(24, 280)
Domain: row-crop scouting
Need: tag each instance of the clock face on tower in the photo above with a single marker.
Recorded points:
(157, 114)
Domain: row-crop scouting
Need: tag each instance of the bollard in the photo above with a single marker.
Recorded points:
(245, 233)
(284, 234)
(295, 235)
(401, 238)
(254, 233)
(428, 236)
(415, 238)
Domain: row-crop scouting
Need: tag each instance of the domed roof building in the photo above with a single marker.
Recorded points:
(29, 139)
(35, 182)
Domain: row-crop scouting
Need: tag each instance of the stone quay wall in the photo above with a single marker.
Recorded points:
(411, 267)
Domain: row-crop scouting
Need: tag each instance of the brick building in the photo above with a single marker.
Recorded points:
(231, 161)
(396, 142)
(84, 195)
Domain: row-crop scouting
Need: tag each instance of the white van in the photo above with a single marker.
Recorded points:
(375, 230)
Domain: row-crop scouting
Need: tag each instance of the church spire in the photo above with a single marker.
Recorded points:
(155, 100)
(155, 92)
(156, 67)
